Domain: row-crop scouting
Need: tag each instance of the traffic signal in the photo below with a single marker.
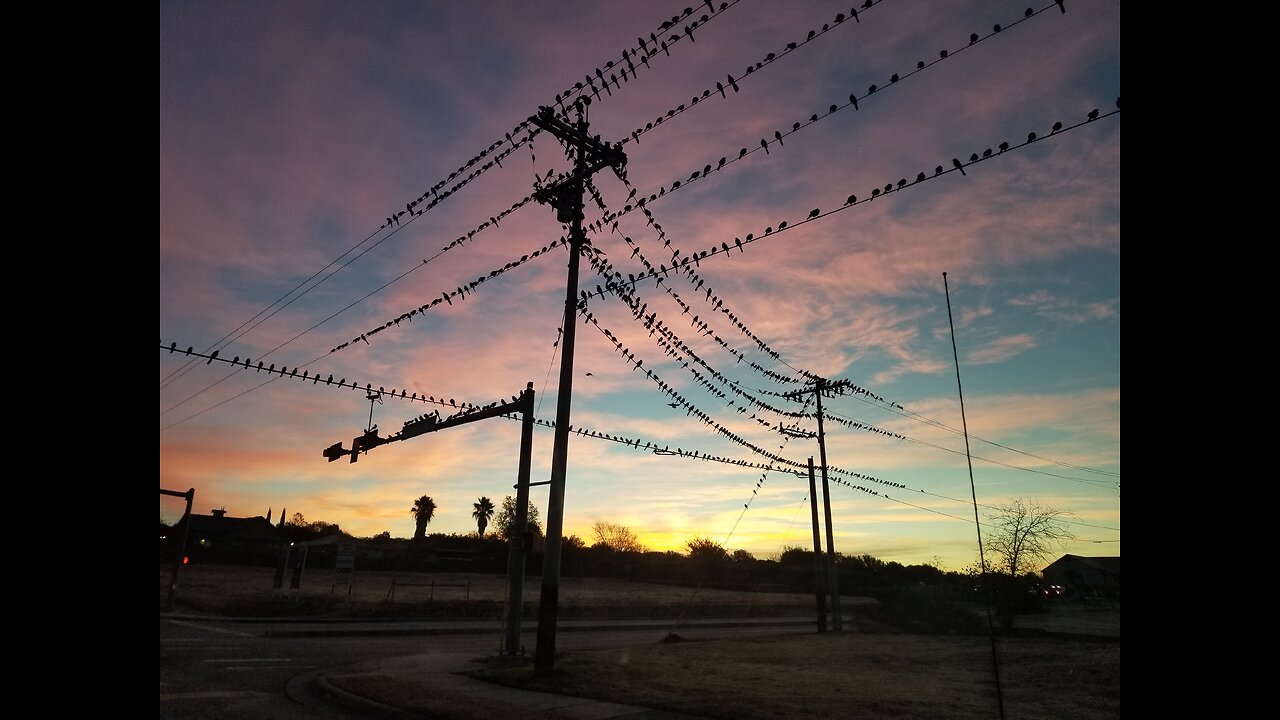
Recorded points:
(364, 443)
(334, 451)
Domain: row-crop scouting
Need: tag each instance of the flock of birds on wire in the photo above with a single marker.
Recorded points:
(624, 289)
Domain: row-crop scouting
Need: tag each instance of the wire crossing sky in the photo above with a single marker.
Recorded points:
(341, 197)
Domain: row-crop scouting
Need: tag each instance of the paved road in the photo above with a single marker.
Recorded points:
(213, 669)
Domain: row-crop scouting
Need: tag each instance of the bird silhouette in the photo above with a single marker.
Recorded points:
(893, 78)
(1057, 126)
(777, 134)
(1093, 114)
(1028, 13)
(1031, 137)
(674, 405)
(733, 83)
(853, 100)
(958, 165)
(1004, 146)
(211, 357)
(764, 144)
(1061, 7)
(815, 212)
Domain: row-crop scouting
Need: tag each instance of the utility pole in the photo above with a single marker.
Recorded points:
(821, 385)
(818, 580)
(516, 552)
(431, 423)
(590, 155)
(190, 495)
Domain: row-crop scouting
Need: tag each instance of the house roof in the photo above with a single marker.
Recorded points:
(1107, 564)
(217, 526)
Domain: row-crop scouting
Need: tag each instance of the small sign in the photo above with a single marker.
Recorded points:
(345, 565)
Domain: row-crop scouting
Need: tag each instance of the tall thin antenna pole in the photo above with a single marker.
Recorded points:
(982, 558)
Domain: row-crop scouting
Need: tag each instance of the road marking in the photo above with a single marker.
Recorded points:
(259, 667)
(211, 695)
(210, 628)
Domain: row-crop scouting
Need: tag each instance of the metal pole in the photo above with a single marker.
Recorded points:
(982, 557)
(515, 558)
(837, 623)
(182, 548)
(818, 581)
(544, 662)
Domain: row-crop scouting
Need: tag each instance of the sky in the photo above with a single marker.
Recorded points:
(346, 191)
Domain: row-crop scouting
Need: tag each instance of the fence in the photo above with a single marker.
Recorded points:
(396, 582)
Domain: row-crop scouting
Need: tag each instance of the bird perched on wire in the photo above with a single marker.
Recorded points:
(956, 162)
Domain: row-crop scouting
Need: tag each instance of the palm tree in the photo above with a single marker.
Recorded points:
(483, 513)
(424, 508)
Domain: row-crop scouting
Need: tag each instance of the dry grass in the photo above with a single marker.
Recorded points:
(233, 590)
(848, 675)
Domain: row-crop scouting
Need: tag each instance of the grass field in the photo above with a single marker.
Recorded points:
(242, 591)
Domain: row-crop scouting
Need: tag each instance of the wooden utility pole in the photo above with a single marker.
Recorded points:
(590, 155)
(818, 580)
(820, 386)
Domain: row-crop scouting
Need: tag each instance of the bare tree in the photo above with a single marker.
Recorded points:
(616, 537)
(1024, 533)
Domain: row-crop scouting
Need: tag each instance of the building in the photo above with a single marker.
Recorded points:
(218, 538)
(1085, 575)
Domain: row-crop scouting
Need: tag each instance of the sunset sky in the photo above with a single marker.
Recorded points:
(291, 132)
